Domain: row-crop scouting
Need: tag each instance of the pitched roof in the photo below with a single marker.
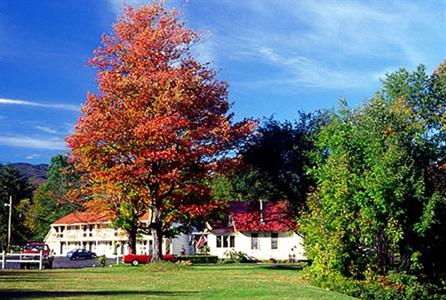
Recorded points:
(89, 217)
(246, 216)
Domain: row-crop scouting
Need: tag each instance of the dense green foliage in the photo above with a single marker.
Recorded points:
(50, 199)
(379, 206)
(274, 163)
(12, 183)
(199, 259)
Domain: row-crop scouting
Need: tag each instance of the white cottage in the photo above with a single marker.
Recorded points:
(263, 230)
(92, 231)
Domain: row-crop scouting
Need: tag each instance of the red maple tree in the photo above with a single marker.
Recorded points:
(159, 125)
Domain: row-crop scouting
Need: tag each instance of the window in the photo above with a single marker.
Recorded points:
(274, 239)
(150, 247)
(225, 241)
(254, 240)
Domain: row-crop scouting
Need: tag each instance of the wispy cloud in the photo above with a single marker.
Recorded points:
(303, 71)
(46, 129)
(49, 143)
(4, 101)
(32, 156)
(326, 44)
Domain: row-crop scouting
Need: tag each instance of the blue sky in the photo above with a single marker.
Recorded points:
(279, 57)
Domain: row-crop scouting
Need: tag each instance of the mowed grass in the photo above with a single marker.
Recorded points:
(162, 281)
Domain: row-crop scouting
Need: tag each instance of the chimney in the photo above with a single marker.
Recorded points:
(262, 220)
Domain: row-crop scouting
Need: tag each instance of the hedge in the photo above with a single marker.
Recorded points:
(199, 259)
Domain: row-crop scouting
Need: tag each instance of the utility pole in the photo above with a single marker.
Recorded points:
(9, 223)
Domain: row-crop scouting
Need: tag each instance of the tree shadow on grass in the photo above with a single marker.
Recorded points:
(25, 279)
(283, 267)
(35, 294)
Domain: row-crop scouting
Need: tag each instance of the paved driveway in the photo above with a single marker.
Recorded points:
(65, 263)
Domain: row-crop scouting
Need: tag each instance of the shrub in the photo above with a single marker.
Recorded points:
(228, 260)
(102, 260)
(199, 259)
(205, 250)
(395, 286)
(233, 256)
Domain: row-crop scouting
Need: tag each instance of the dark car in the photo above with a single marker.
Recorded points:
(80, 254)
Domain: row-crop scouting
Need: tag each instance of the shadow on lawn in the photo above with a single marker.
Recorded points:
(283, 267)
(24, 279)
(30, 294)
(24, 276)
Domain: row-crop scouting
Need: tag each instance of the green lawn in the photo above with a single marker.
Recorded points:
(162, 281)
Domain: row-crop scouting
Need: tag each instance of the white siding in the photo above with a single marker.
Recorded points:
(221, 252)
(104, 241)
(289, 244)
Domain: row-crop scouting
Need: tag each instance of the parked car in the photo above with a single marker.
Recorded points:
(76, 254)
(136, 259)
(32, 251)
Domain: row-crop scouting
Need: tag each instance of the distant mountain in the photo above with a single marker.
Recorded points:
(36, 174)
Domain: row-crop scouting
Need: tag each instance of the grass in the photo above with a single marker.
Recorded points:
(162, 281)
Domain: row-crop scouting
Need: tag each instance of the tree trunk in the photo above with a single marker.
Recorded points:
(132, 241)
(157, 235)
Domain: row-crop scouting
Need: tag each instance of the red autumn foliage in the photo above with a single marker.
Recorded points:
(159, 125)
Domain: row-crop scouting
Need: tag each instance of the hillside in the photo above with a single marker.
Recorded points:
(36, 174)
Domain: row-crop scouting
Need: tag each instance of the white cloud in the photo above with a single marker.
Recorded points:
(366, 29)
(331, 44)
(46, 129)
(60, 106)
(31, 142)
(205, 49)
(32, 156)
(303, 71)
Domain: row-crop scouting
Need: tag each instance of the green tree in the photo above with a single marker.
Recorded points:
(12, 183)
(50, 200)
(274, 163)
(377, 207)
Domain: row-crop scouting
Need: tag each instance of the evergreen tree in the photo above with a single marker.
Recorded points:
(12, 183)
